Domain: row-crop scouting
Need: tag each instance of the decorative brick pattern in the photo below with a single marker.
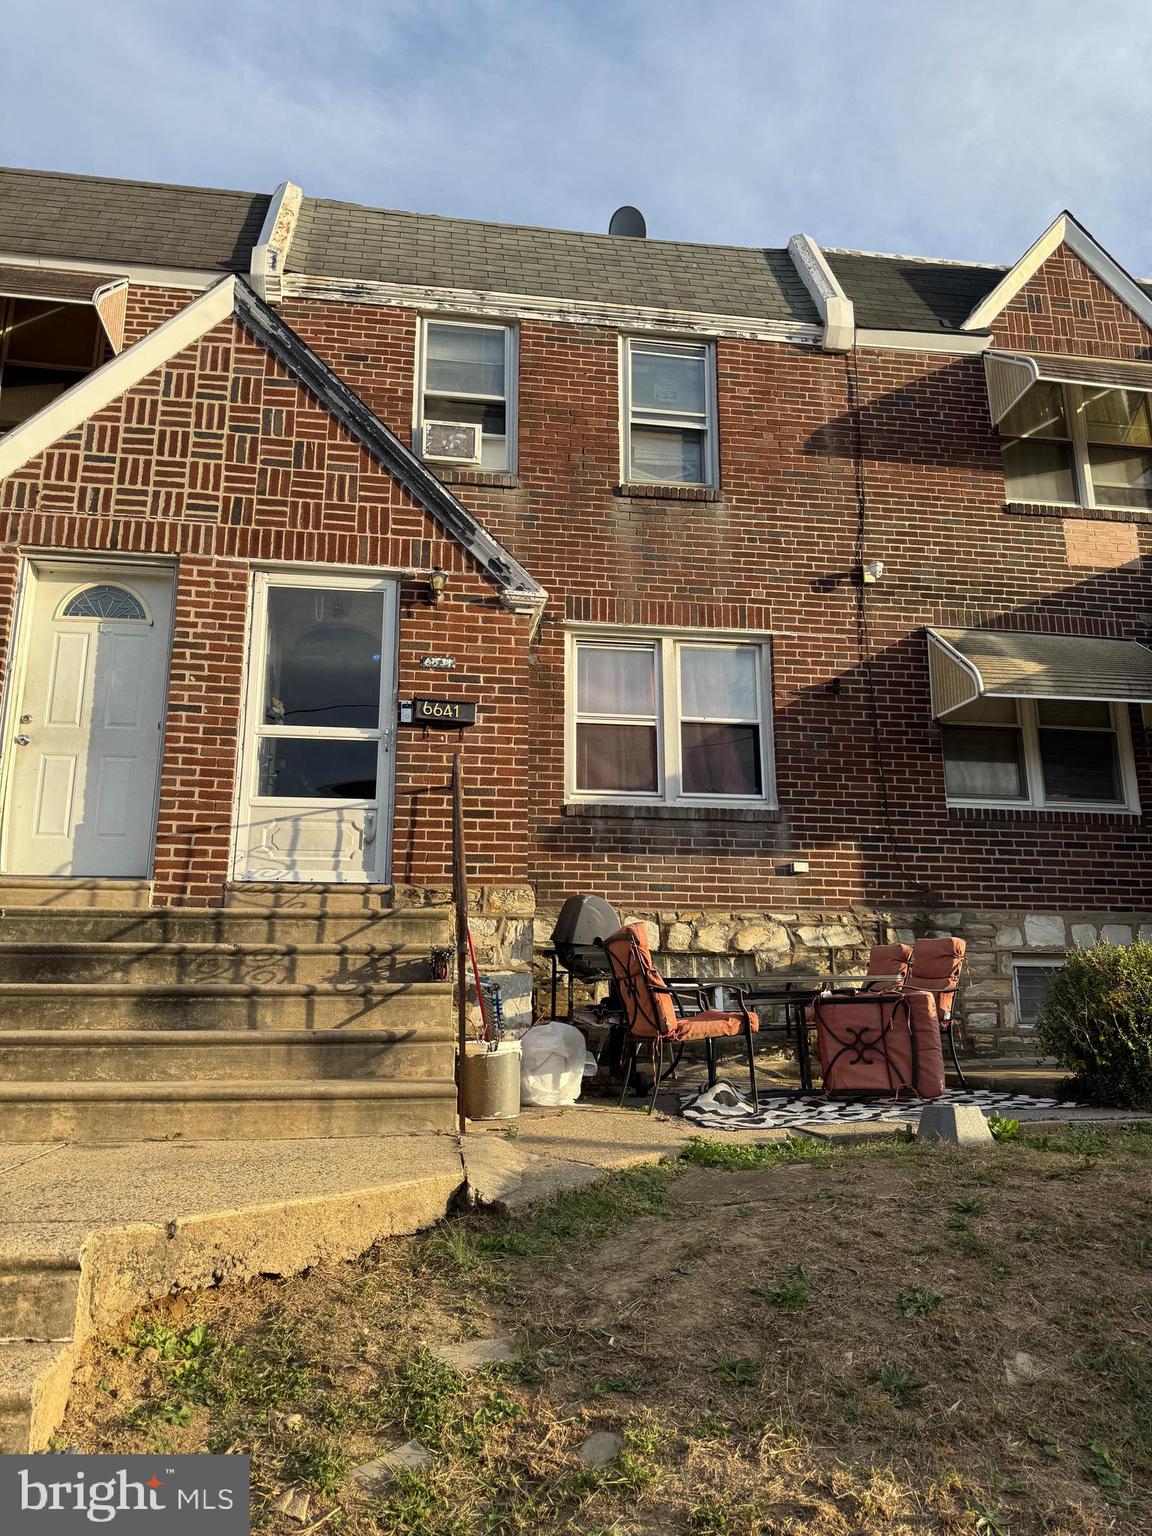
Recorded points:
(219, 460)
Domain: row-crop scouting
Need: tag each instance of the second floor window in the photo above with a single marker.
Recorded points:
(669, 425)
(1079, 445)
(467, 374)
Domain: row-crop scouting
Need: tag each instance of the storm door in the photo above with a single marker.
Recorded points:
(316, 793)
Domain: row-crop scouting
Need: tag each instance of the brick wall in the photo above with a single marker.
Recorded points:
(219, 460)
(858, 756)
(824, 459)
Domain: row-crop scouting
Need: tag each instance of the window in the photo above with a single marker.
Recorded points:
(1046, 753)
(1030, 982)
(669, 720)
(45, 348)
(467, 373)
(1079, 444)
(669, 434)
(104, 602)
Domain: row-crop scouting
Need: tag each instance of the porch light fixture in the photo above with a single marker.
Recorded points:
(437, 581)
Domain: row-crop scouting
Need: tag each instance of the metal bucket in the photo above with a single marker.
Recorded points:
(490, 1081)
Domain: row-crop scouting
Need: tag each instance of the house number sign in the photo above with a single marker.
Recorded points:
(439, 712)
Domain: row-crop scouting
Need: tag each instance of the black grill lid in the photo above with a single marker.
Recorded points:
(584, 919)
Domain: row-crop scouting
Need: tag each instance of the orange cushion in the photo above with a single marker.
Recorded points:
(889, 961)
(711, 1025)
(936, 967)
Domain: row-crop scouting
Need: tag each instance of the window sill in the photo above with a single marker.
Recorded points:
(1084, 514)
(645, 490)
(598, 810)
(495, 479)
(1043, 813)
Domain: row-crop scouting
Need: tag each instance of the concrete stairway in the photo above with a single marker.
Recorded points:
(287, 1012)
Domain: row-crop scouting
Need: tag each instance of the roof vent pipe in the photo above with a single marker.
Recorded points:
(628, 221)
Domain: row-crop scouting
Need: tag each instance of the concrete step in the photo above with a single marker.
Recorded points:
(229, 1055)
(223, 1111)
(427, 926)
(34, 1382)
(108, 1005)
(73, 894)
(184, 964)
(282, 896)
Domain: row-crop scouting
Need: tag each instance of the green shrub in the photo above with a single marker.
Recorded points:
(1097, 1021)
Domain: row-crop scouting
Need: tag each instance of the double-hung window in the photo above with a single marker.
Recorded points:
(669, 412)
(467, 374)
(1050, 753)
(669, 720)
(1079, 445)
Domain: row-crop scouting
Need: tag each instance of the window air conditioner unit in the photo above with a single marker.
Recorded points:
(452, 442)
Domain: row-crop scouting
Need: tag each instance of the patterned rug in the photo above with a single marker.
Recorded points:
(725, 1108)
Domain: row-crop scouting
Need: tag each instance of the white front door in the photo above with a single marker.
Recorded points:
(315, 798)
(84, 739)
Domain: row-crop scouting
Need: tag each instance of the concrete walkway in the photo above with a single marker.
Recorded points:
(90, 1233)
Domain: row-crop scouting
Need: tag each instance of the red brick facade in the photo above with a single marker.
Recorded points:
(220, 460)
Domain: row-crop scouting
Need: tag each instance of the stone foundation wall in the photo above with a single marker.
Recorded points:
(512, 936)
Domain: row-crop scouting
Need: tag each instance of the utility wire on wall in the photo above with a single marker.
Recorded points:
(863, 633)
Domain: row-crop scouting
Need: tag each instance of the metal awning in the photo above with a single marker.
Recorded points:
(107, 295)
(969, 664)
(1011, 375)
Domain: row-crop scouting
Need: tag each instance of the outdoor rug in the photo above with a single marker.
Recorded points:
(725, 1108)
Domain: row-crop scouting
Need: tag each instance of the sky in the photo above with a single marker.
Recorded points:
(950, 128)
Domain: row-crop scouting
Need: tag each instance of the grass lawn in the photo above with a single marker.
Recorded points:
(890, 1339)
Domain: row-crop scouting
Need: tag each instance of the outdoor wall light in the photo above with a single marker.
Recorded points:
(437, 581)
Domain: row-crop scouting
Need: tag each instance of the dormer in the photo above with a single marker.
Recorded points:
(1070, 375)
(56, 327)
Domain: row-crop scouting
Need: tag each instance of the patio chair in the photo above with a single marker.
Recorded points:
(936, 967)
(887, 967)
(656, 1016)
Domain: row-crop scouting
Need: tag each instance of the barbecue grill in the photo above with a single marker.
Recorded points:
(583, 919)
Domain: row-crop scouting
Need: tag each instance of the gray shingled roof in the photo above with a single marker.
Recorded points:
(343, 240)
(48, 213)
(901, 293)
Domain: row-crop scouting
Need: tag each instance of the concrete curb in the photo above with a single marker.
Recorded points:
(64, 1276)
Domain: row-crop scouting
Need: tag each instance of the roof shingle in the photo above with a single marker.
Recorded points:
(94, 218)
(344, 240)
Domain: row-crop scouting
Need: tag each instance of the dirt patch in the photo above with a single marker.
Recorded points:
(894, 1339)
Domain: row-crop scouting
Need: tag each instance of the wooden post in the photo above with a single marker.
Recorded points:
(460, 890)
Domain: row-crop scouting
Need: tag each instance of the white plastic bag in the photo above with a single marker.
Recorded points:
(552, 1064)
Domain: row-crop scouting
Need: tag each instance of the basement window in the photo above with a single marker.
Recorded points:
(1030, 982)
(45, 348)
(662, 720)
